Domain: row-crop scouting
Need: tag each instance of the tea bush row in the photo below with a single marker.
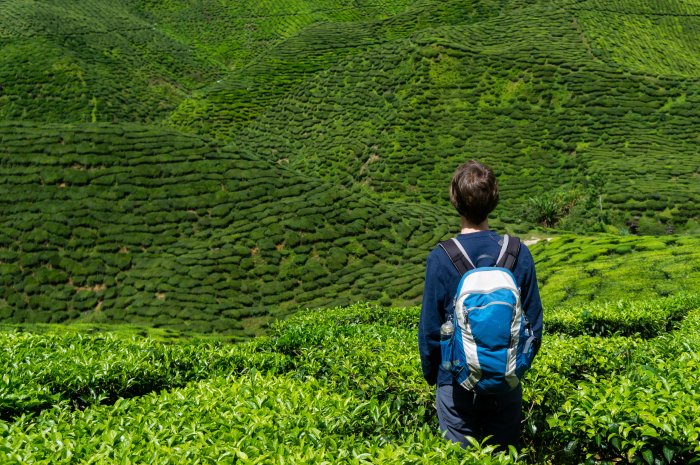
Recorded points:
(578, 270)
(78, 370)
(627, 33)
(253, 419)
(243, 96)
(92, 60)
(136, 61)
(191, 235)
(360, 366)
(647, 414)
(642, 318)
(235, 34)
(551, 117)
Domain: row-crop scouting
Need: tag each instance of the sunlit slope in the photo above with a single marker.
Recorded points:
(229, 105)
(525, 91)
(127, 223)
(133, 60)
(91, 60)
(576, 270)
(655, 37)
(235, 32)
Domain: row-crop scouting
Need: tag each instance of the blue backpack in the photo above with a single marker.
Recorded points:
(487, 341)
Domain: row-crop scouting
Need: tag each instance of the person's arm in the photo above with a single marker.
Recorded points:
(432, 316)
(530, 295)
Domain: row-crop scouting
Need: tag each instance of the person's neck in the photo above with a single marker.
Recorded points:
(469, 227)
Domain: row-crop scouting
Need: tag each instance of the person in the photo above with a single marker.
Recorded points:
(474, 193)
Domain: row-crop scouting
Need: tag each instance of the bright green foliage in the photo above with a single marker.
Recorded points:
(248, 93)
(344, 385)
(646, 414)
(320, 138)
(642, 318)
(258, 419)
(125, 60)
(92, 60)
(80, 370)
(521, 90)
(576, 270)
(236, 33)
(337, 125)
(194, 236)
(556, 95)
(647, 37)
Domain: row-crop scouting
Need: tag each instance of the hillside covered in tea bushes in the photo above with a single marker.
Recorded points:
(111, 224)
(134, 60)
(210, 166)
(539, 90)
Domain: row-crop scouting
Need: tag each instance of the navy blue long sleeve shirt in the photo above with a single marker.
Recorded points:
(441, 281)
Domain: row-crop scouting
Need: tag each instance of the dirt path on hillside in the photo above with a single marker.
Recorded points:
(530, 242)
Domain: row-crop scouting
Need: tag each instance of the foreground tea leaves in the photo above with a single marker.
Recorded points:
(343, 385)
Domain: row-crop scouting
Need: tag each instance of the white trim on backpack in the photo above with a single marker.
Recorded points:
(469, 346)
(511, 377)
(495, 279)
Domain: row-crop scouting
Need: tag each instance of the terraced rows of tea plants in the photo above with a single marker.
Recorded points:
(226, 107)
(91, 60)
(393, 95)
(577, 270)
(344, 386)
(524, 91)
(234, 33)
(135, 61)
(111, 224)
(123, 223)
(650, 37)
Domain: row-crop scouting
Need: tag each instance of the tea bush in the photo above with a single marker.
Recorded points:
(254, 419)
(646, 414)
(344, 384)
(641, 318)
(577, 270)
(82, 370)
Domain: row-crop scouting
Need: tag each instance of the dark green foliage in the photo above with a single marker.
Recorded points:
(151, 253)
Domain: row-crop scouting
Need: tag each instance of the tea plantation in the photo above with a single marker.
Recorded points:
(541, 91)
(344, 386)
(177, 177)
(123, 223)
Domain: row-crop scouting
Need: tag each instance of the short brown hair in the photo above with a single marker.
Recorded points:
(474, 191)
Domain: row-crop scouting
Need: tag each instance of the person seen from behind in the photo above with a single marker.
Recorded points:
(466, 412)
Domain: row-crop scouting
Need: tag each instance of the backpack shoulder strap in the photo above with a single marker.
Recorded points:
(509, 252)
(457, 255)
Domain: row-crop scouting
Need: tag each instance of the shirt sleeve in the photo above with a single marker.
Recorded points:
(432, 316)
(530, 295)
